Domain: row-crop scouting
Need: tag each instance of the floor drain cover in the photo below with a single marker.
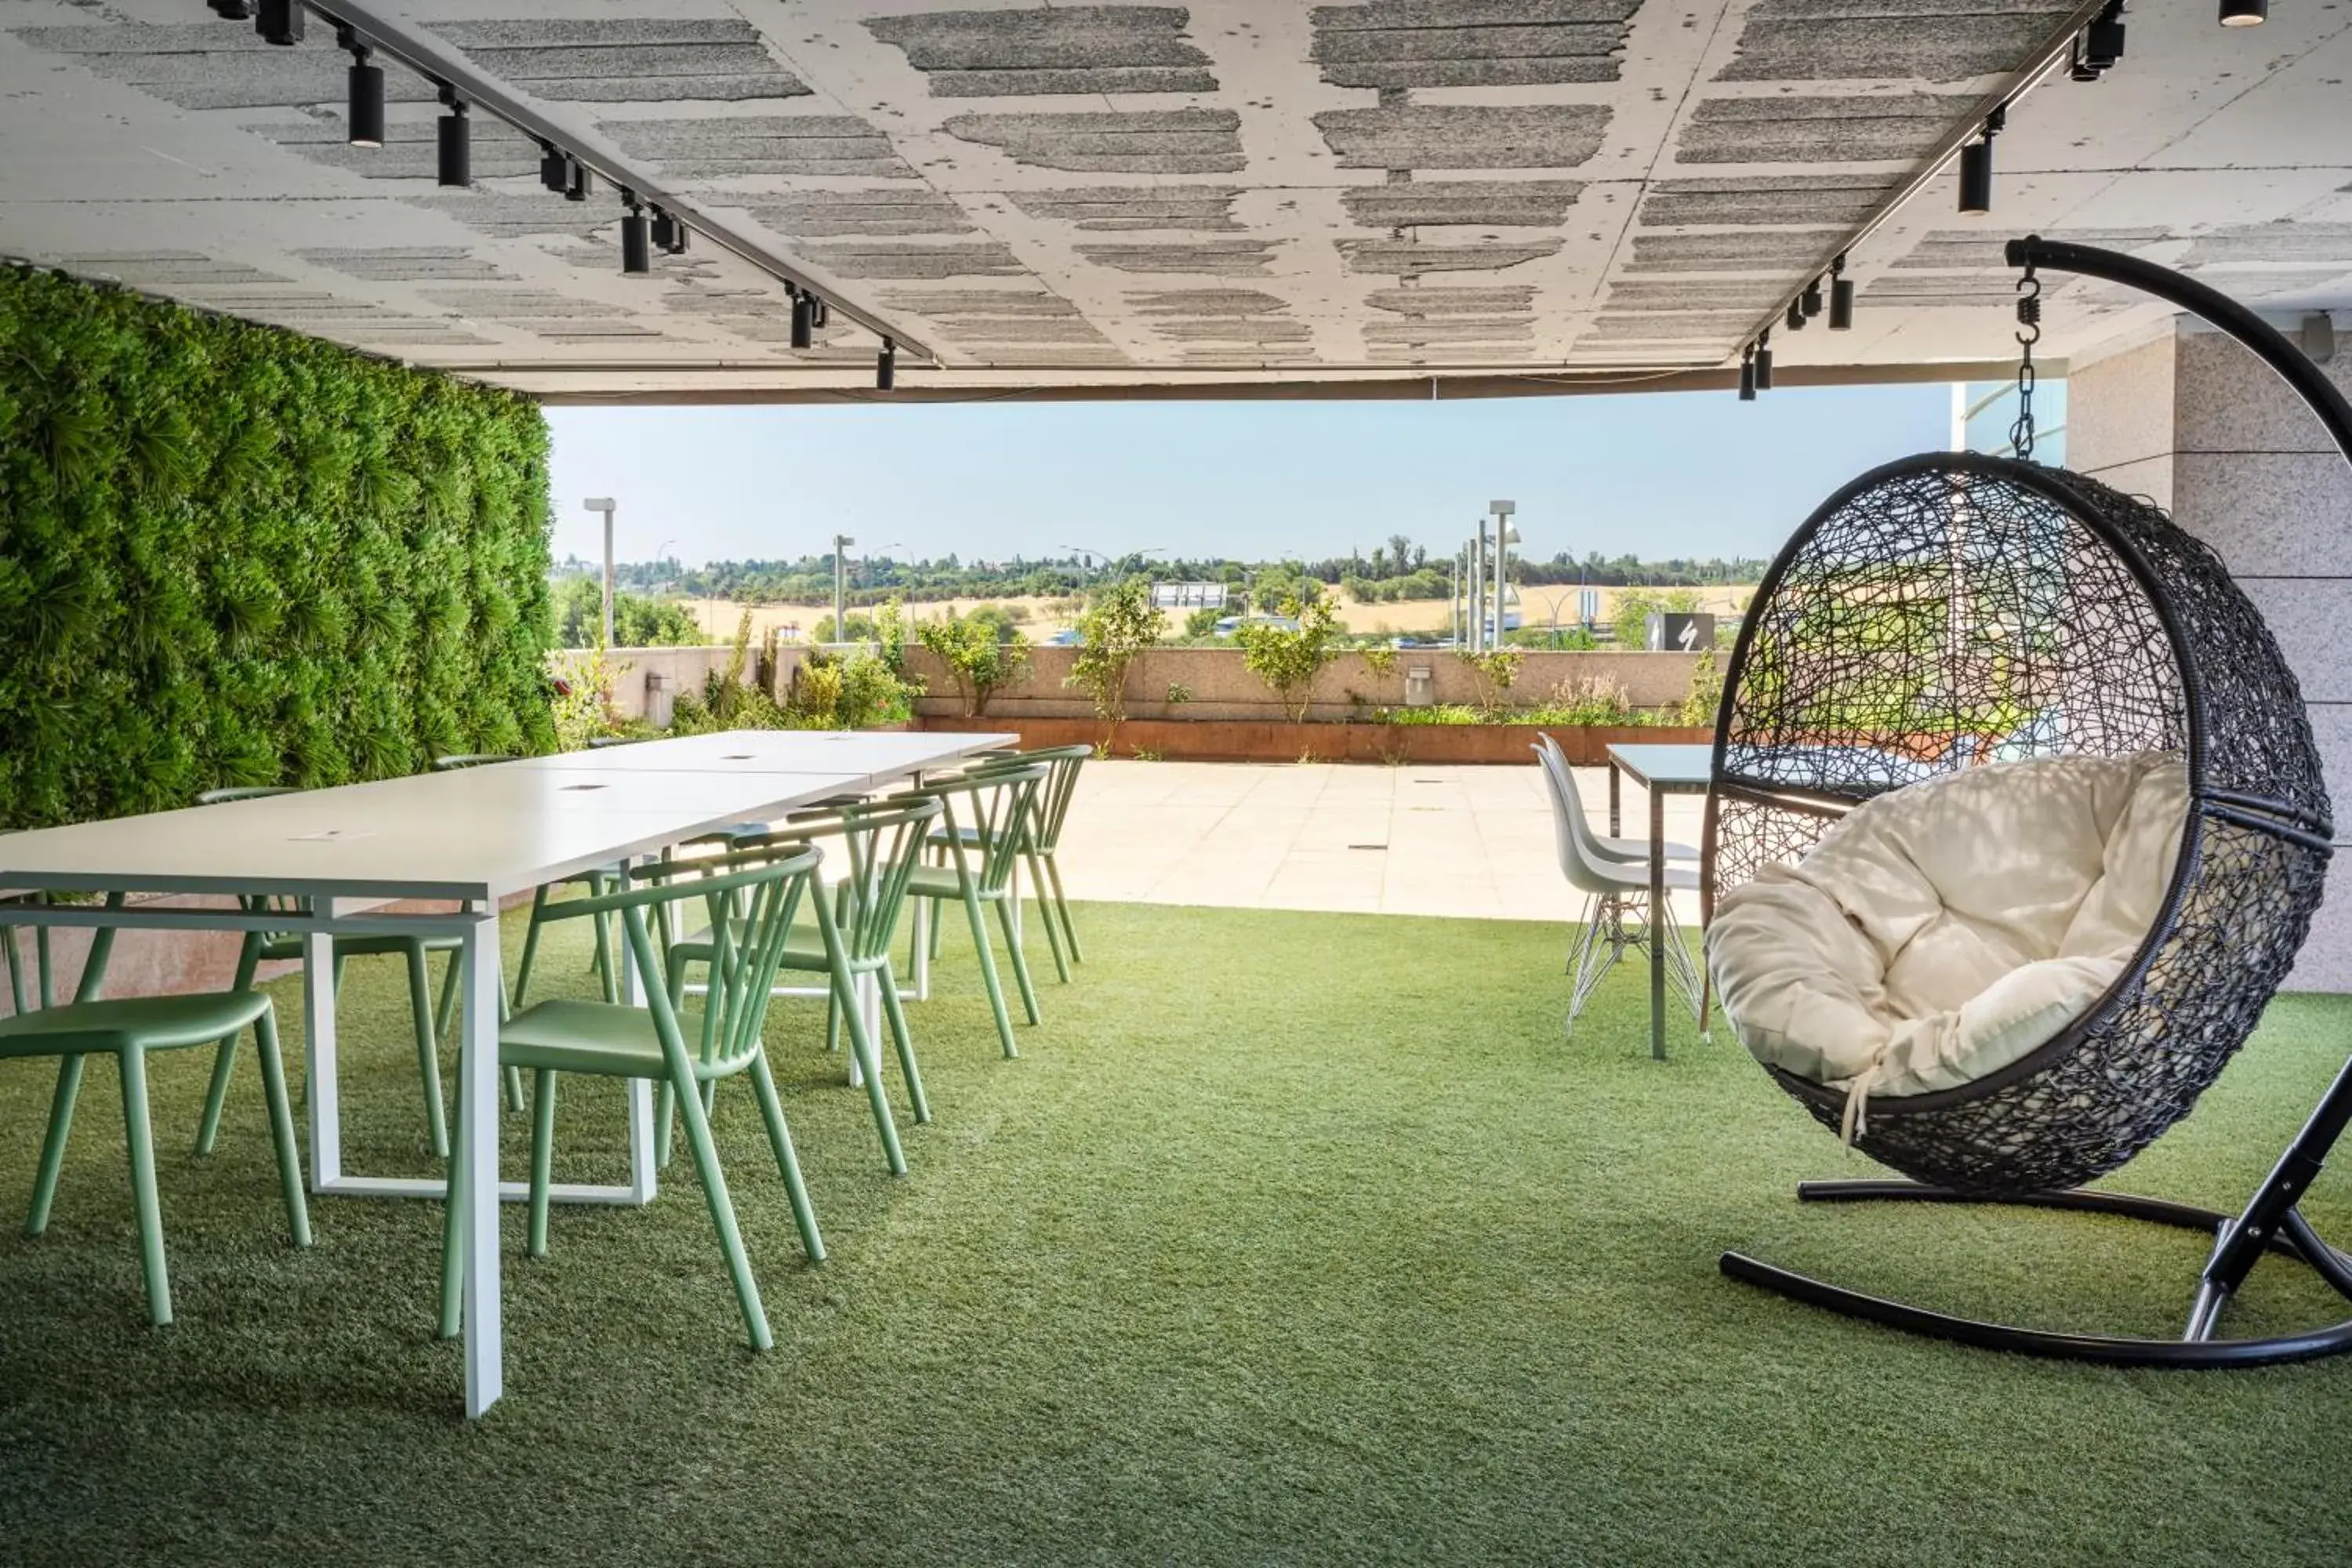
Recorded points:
(1367, 846)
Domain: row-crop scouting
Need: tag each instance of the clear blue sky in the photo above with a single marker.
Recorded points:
(1658, 475)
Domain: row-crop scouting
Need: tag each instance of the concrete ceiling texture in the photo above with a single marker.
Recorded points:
(1384, 196)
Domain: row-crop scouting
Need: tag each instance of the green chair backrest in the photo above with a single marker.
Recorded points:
(457, 760)
(749, 898)
(999, 803)
(883, 844)
(93, 969)
(1055, 795)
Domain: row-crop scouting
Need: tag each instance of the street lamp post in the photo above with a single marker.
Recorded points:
(604, 505)
(1506, 535)
(841, 543)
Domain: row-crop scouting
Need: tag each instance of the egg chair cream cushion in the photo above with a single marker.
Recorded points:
(1942, 931)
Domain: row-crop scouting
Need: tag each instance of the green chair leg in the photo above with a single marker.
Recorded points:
(530, 947)
(542, 1154)
(938, 934)
(1045, 919)
(1062, 904)
(699, 1143)
(988, 974)
(249, 960)
(428, 1061)
(1020, 959)
(780, 1139)
(904, 1040)
(281, 1127)
(140, 1137)
(53, 1146)
(869, 1068)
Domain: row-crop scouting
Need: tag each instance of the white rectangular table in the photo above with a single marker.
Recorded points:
(468, 839)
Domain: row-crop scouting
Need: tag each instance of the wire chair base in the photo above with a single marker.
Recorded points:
(1615, 924)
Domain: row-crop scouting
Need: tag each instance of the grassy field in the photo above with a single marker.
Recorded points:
(720, 617)
(1290, 1239)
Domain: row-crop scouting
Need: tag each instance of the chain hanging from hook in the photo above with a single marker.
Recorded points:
(2029, 332)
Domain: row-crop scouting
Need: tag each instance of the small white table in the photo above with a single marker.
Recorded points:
(468, 839)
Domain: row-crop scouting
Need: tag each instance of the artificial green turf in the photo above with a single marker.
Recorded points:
(1291, 1239)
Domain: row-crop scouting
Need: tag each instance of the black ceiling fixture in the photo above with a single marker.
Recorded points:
(668, 235)
(1841, 298)
(2103, 40)
(1812, 299)
(1764, 362)
(636, 238)
(1795, 317)
(818, 314)
(886, 365)
(280, 21)
(1976, 166)
(2245, 13)
(1747, 374)
(456, 161)
(554, 168)
(803, 319)
(577, 180)
(363, 113)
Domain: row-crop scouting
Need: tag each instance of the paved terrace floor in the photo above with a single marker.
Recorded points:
(1359, 839)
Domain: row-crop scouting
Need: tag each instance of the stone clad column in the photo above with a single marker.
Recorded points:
(2207, 431)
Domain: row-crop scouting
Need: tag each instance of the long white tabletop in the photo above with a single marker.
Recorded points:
(470, 837)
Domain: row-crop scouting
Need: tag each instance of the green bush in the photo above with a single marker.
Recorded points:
(639, 620)
(979, 659)
(234, 555)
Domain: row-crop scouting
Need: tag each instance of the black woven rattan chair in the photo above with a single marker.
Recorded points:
(1950, 609)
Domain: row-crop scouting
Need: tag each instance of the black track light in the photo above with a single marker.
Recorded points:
(280, 21)
(668, 235)
(804, 320)
(577, 181)
(637, 238)
(2103, 40)
(1747, 374)
(1795, 317)
(364, 110)
(554, 168)
(457, 164)
(2078, 68)
(818, 313)
(886, 365)
(1764, 363)
(1812, 299)
(233, 10)
(1841, 298)
(2245, 13)
(1976, 167)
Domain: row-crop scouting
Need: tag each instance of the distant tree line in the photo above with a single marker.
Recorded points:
(1395, 569)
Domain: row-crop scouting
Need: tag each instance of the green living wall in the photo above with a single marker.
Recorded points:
(235, 555)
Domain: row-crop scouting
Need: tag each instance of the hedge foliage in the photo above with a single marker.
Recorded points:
(231, 555)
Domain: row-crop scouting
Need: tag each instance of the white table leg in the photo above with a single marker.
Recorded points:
(919, 971)
(478, 1147)
(642, 1172)
(318, 1043)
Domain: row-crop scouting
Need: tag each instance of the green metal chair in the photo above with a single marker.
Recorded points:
(988, 812)
(598, 883)
(128, 1031)
(883, 847)
(430, 1023)
(1053, 808)
(749, 899)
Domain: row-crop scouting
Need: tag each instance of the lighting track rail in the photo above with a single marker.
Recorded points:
(1790, 309)
(460, 83)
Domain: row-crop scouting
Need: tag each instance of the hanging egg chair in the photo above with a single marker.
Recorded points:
(1950, 612)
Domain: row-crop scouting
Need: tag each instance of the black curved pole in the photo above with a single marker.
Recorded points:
(2265, 341)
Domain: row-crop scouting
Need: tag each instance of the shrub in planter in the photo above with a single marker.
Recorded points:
(981, 656)
(1286, 659)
